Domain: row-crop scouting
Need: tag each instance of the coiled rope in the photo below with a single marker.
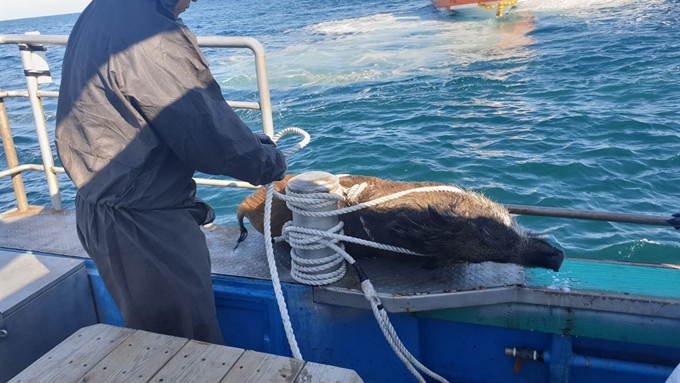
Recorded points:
(307, 271)
(318, 272)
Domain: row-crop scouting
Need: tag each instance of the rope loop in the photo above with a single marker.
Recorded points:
(305, 139)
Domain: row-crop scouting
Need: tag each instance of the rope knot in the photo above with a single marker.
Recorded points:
(352, 193)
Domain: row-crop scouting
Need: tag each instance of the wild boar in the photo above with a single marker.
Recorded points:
(447, 226)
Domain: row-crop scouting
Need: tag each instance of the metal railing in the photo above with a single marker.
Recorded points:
(29, 44)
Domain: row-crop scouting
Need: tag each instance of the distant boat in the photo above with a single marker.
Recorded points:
(455, 6)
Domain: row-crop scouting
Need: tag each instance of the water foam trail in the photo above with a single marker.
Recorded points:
(579, 6)
(384, 47)
(587, 9)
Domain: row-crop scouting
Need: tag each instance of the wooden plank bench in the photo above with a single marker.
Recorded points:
(103, 353)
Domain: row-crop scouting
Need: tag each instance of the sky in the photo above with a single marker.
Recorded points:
(21, 9)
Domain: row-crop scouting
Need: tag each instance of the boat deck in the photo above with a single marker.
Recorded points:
(481, 293)
(43, 230)
(104, 353)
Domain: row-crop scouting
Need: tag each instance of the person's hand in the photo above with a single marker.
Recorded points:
(676, 220)
(264, 139)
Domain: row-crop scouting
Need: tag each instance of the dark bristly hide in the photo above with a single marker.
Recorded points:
(447, 226)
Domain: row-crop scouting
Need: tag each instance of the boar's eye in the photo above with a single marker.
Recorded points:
(486, 237)
(493, 234)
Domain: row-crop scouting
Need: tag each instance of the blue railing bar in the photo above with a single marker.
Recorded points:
(642, 369)
(588, 362)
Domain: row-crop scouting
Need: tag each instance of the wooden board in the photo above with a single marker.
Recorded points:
(108, 354)
(74, 357)
(199, 362)
(275, 369)
(320, 373)
(244, 367)
(137, 359)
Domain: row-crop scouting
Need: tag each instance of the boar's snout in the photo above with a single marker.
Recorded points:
(555, 260)
(545, 255)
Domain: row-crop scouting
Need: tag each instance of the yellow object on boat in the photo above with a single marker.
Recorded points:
(455, 6)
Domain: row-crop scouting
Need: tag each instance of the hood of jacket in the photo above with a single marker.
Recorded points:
(167, 7)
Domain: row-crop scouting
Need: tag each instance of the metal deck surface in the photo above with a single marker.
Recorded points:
(45, 230)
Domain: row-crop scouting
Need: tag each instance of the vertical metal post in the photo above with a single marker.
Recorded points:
(260, 71)
(40, 125)
(11, 156)
(263, 90)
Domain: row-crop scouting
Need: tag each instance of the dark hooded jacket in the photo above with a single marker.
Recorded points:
(138, 114)
(139, 111)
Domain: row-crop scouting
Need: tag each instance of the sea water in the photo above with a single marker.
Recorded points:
(570, 104)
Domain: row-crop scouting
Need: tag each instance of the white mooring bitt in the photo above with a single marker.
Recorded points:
(311, 183)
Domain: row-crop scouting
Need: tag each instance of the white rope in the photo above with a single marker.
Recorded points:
(354, 191)
(391, 336)
(302, 236)
(316, 271)
(288, 327)
(301, 199)
(281, 302)
(298, 235)
(332, 268)
(299, 145)
(323, 271)
(380, 314)
(386, 327)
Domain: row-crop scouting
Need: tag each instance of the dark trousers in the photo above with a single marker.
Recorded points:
(156, 265)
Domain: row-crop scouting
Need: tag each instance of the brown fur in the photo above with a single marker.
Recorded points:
(446, 225)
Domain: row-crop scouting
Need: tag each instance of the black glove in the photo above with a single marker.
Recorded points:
(675, 220)
(264, 139)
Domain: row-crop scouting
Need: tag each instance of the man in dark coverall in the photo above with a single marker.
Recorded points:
(139, 112)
